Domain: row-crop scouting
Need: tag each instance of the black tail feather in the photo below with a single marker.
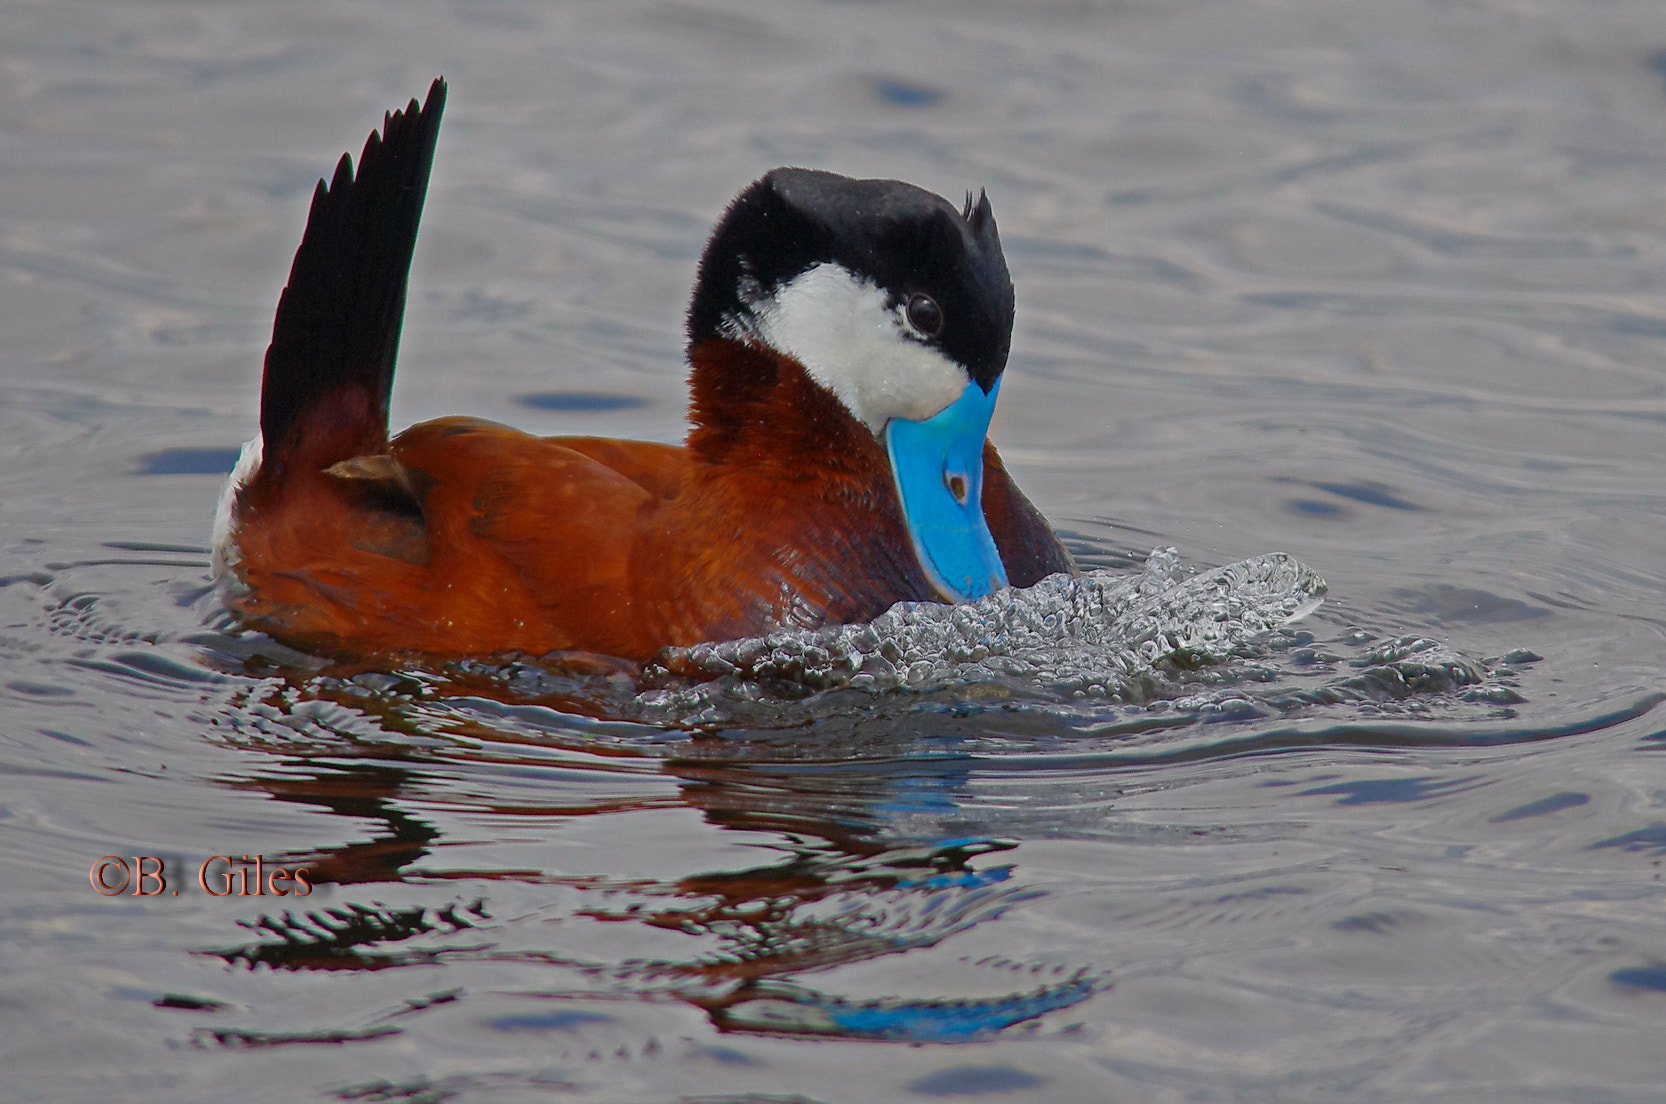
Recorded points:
(337, 328)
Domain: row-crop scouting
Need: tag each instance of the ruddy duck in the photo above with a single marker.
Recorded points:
(846, 340)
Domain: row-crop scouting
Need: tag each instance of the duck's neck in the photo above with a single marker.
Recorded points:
(752, 406)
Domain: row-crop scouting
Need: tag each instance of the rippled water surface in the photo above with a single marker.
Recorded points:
(1375, 286)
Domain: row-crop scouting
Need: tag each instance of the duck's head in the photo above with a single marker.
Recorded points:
(898, 305)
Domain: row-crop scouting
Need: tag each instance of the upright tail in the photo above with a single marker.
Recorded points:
(324, 392)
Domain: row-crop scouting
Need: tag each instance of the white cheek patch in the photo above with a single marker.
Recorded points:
(840, 328)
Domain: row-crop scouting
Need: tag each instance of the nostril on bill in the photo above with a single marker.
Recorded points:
(956, 483)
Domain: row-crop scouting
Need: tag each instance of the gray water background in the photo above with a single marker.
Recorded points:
(1374, 284)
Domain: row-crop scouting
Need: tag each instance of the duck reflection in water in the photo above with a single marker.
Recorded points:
(857, 882)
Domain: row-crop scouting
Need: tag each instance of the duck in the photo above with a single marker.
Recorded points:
(847, 340)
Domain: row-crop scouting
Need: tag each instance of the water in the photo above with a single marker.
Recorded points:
(1374, 285)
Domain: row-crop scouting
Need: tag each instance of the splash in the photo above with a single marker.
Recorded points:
(1101, 635)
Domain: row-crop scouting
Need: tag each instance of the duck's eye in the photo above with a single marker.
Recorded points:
(925, 315)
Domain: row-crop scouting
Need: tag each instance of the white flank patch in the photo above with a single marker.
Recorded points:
(225, 547)
(839, 327)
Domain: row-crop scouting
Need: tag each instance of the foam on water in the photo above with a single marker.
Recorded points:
(1098, 633)
(1103, 635)
(1216, 643)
